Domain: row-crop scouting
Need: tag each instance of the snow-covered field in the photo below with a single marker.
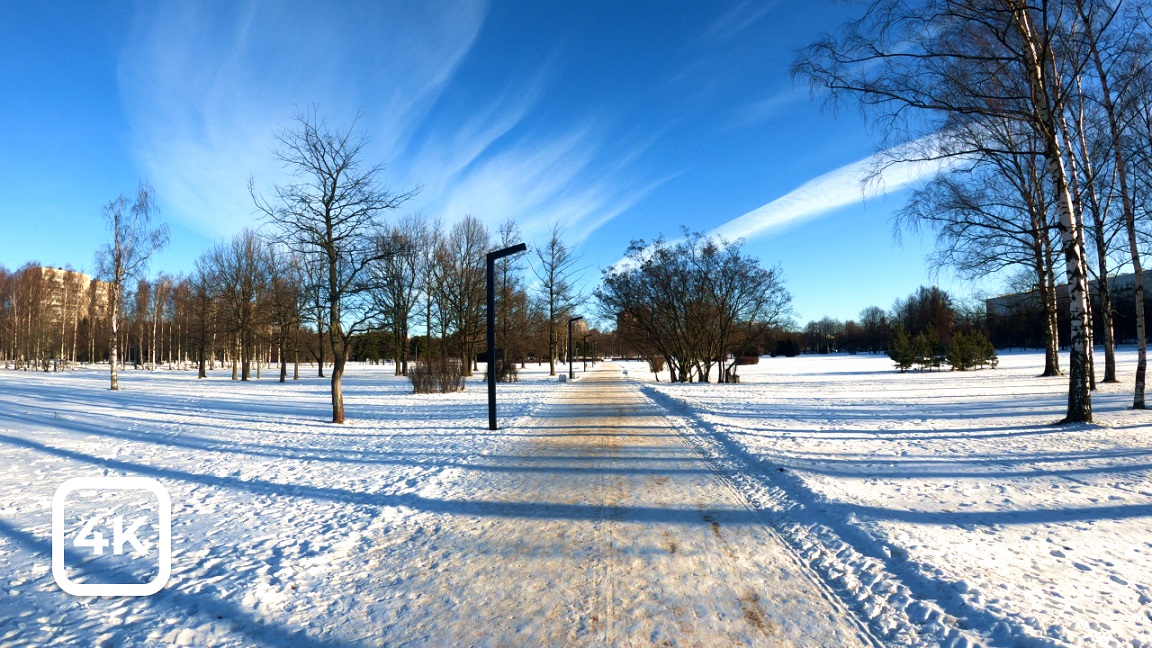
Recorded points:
(272, 505)
(946, 487)
(922, 500)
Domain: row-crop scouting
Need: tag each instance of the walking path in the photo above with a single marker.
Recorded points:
(606, 529)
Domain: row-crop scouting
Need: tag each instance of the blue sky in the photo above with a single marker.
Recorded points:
(621, 120)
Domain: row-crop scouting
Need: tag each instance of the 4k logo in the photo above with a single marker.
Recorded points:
(88, 537)
(91, 539)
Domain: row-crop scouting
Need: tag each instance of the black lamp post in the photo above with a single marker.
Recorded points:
(584, 350)
(491, 286)
(571, 372)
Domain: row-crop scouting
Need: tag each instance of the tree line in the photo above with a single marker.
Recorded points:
(327, 272)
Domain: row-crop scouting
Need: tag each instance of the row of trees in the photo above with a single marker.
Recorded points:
(963, 351)
(874, 330)
(327, 270)
(1044, 110)
(368, 275)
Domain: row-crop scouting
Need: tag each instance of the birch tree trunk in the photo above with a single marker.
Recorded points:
(113, 341)
(1079, 395)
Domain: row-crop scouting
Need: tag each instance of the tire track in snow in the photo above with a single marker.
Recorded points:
(892, 595)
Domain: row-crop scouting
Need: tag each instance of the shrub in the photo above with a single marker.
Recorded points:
(505, 372)
(656, 364)
(748, 360)
(438, 375)
(788, 347)
(971, 350)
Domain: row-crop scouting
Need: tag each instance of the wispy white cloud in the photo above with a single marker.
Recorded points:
(540, 179)
(738, 18)
(852, 183)
(204, 87)
(444, 156)
(872, 177)
(761, 110)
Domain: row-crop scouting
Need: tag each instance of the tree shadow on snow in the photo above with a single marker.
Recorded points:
(167, 603)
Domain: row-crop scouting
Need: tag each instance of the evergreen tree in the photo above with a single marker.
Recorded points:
(901, 351)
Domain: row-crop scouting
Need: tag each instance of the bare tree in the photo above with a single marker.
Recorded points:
(399, 277)
(924, 67)
(554, 269)
(513, 316)
(161, 290)
(462, 257)
(134, 241)
(993, 217)
(693, 302)
(205, 306)
(239, 273)
(1118, 54)
(283, 289)
(330, 212)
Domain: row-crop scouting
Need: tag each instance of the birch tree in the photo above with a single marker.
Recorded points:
(1116, 60)
(923, 67)
(126, 256)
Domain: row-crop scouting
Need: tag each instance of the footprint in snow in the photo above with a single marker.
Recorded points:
(1082, 567)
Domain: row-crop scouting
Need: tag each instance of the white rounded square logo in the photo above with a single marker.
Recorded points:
(112, 523)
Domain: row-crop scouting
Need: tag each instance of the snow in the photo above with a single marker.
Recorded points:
(825, 495)
(944, 492)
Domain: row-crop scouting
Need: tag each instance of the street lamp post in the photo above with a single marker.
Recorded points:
(584, 350)
(491, 286)
(571, 372)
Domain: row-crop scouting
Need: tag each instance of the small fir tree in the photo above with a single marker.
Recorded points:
(901, 350)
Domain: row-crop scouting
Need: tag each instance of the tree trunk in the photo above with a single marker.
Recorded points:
(1047, 127)
(320, 352)
(112, 337)
(552, 348)
(1079, 393)
(338, 360)
(1048, 310)
(75, 331)
(337, 392)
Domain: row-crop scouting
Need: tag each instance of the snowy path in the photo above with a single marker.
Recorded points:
(605, 529)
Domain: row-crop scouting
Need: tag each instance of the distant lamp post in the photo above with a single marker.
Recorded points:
(571, 371)
(491, 285)
(584, 350)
